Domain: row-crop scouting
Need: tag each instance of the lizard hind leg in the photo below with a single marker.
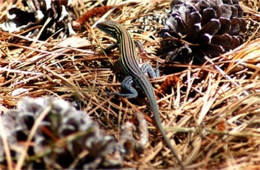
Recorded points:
(127, 85)
(147, 68)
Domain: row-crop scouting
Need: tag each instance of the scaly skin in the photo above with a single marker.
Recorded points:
(130, 67)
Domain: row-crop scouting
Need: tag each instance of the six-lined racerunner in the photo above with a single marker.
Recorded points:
(130, 67)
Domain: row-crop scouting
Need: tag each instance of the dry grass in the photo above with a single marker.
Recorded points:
(211, 113)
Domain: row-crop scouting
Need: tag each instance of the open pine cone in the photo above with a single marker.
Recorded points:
(65, 138)
(36, 13)
(198, 28)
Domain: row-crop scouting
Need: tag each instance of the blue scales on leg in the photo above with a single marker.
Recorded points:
(147, 68)
(127, 84)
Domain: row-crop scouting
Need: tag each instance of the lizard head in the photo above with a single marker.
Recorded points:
(112, 28)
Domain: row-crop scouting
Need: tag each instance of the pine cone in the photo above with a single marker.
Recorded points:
(62, 136)
(36, 13)
(198, 28)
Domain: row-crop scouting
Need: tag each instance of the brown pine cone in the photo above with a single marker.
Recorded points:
(198, 28)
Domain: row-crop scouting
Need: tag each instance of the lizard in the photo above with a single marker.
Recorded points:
(135, 74)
